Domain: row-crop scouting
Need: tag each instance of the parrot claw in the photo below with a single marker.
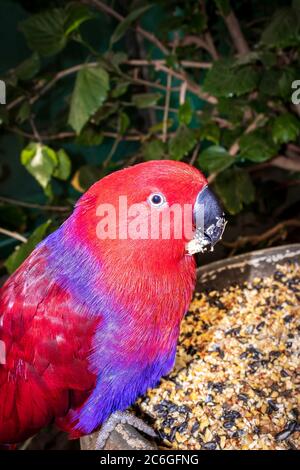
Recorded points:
(121, 417)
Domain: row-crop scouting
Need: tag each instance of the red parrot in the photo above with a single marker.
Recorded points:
(91, 320)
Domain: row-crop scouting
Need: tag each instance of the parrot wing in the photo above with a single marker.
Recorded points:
(45, 345)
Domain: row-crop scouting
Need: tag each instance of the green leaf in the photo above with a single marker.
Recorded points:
(89, 136)
(211, 132)
(185, 113)
(76, 15)
(285, 128)
(29, 68)
(288, 76)
(223, 6)
(45, 32)
(90, 92)
(231, 108)
(123, 123)
(40, 161)
(120, 88)
(269, 84)
(182, 142)
(105, 112)
(85, 177)
(257, 147)
(153, 150)
(126, 23)
(145, 100)
(224, 79)
(23, 251)
(158, 127)
(63, 168)
(283, 30)
(23, 112)
(215, 159)
(235, 188)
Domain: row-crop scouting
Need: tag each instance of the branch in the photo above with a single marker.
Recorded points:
(68, 135)
(289, 164)
(193, 87)
(111, 12)
(154, 63)
(30, 205)
(167, 106)
(256, 239)
(15, 235)
(236, 33)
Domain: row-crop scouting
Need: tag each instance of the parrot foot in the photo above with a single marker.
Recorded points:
(121, 417)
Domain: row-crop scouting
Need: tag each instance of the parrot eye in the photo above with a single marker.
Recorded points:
(156, 199)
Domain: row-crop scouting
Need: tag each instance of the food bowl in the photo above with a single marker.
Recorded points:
(226, 415)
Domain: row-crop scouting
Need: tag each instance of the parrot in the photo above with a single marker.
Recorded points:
(89, 323)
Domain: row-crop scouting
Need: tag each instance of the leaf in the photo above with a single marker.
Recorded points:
(226, 80)
(90, 92)
(283, 29)
(257, 147)
(235, 188)
(185, 113)
(153, 150)
(145, 100)
(215, 159)
(288, 76)
(211, 132)
(29, 68)
(23, 112)
(124, 123)
(23, 251)
(85, 177)
(120, 88)
(158, 127)
(269, 84)
(285, 128)
(126, 23)
(63, 168)
(89, 136)
(47, 32)
(105, 112)
(76, 15)
(40, 161)
(44, 32)
(223, 6)
(182, 143)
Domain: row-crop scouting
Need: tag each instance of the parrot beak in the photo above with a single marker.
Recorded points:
(209, 220)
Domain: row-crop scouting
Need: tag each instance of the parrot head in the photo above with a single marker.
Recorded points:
(153, 212)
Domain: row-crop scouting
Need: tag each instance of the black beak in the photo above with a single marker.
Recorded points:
(209, 219)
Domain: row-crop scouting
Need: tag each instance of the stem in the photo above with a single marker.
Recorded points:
(255, 239)
(111, 12)
(193, 87)
(166, 110)
(155, 63)
(30, 205)
(15, 235)
(236, 33)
